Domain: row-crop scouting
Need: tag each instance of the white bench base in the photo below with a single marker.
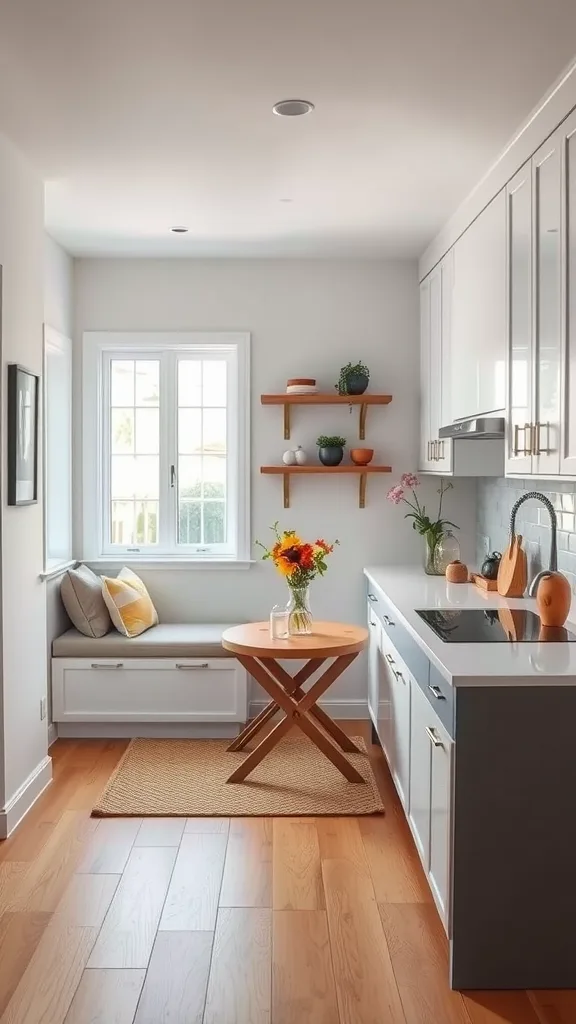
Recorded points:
(212, 692)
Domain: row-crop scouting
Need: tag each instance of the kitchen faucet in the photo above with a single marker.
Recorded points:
(553, 566)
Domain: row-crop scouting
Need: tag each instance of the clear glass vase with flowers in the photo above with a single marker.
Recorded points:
(431, 529)
(299, 562)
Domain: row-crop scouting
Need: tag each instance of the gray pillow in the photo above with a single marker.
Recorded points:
(81, 592)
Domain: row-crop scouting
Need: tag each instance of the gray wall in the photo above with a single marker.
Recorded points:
(495, 501)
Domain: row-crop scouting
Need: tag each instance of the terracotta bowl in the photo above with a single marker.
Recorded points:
(361, 456)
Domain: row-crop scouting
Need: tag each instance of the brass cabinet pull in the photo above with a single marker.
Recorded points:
(537, 448)
(434, 739)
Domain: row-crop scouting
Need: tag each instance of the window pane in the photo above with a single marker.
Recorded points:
(122, 522)
(189, 476)
(122, 483)
(147, 476)
(189, 382)
(122, 382)
(214, 477)
(214, 522)
(147, 382)
(147, 431)
(214, 430)
(214, 382)
(189, 431)
(189, 522)
(122, 431)
(146, 526)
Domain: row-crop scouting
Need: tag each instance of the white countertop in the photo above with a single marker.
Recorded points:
(408, 589)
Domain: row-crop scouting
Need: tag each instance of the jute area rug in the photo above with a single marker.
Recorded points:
(187, 778)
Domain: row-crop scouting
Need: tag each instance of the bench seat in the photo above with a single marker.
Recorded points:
(167, 640)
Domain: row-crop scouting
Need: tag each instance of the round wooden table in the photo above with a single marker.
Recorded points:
(261, 657)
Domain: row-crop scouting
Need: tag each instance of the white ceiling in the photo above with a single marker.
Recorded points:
(146, 113)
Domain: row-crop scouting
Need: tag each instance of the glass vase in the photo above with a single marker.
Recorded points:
(447, 550)
(299, 612)
(430, 545)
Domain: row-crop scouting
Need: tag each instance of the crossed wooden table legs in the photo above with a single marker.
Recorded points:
(301, 711)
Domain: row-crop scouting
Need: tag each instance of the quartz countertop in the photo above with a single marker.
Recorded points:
(472, 664)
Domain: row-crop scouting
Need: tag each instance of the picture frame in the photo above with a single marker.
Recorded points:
(23, 407)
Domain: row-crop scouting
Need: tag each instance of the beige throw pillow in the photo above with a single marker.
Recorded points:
(81, 592)
(129, 603)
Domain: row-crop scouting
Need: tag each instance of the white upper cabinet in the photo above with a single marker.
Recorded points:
(478, 329)
(435, 321)
(520, 346)
(568, 396)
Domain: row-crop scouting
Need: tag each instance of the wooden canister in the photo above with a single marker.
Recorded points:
(457, 572)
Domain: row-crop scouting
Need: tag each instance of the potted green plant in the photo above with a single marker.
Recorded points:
(330, 450)
(353, 379)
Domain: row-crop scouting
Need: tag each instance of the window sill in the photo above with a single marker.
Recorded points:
(51, 572)
(180, 564)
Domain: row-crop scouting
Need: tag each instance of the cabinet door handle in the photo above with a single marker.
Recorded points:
(436, 691)
(388, 621)
(193, 668)
(517, 450)
(537, 448)
(389, 659)
(373, 598)
(399, 676)
(100, 665)
(434, 739)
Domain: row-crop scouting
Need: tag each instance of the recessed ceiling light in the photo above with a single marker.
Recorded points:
(179, 230)
(292, 108)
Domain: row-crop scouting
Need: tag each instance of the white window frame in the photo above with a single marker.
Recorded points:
(99, 348)
(57, 359)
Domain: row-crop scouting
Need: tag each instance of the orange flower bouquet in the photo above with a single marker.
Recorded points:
(299, 562)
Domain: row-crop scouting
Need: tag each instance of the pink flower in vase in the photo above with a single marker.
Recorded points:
(395, 494)
(409, 480)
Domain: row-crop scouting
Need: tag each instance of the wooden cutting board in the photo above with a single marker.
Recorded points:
(513, 571)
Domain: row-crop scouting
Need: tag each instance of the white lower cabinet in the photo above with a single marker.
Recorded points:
(373, 656)
(431, 756)
(394, 715)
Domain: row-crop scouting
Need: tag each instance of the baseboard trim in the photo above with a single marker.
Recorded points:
(18, 806)
(166, 730)
(353, 709)
(52, 734)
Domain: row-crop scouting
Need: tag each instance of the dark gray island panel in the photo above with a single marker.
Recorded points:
(514, 838)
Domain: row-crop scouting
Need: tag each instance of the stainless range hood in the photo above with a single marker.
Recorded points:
(479, 428)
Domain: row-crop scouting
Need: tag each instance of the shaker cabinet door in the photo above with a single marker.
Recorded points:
(373, 655)
(520, 341)
(420, 773)
(399, 695)
(568, 415)
(440, 815)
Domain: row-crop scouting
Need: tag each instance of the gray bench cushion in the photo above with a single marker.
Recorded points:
(166, 640)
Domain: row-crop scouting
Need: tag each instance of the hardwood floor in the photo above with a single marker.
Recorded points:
(211, 921)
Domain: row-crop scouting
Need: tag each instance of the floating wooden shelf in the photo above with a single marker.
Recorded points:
(361, 471)
(329, 399)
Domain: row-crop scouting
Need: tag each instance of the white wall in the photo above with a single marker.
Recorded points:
(306, 318)
(59, 314)
(23, 595)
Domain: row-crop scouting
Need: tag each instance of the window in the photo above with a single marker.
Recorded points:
(166, 445)
(57, 433)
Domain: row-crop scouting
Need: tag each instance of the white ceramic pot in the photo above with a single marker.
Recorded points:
(289, 458)
(300, 456)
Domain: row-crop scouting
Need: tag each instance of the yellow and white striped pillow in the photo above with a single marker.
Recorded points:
(129, 603)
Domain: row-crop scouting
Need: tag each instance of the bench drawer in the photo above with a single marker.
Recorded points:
(149, 690)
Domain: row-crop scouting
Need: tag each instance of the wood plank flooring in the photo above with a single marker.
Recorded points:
(217, 921)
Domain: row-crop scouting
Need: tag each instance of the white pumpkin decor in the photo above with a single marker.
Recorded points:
(289, 458)
(300, 456)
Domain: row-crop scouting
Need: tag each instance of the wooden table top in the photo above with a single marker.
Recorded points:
(328, 640)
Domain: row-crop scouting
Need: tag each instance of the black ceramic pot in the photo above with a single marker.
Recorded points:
(356, 384)
(331, 456)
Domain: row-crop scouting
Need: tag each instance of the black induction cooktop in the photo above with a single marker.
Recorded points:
(492, 626)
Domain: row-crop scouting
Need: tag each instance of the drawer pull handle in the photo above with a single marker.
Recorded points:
(95, 664)
(203, 664)
(390, 659)
(436, 691)
(399, 676)
(373, 598)
(388, 621)
(434, 739)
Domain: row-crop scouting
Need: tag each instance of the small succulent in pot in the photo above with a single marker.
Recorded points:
(330, 450)
(353, 379)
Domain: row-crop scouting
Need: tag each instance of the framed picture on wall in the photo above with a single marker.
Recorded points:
(23, 396)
